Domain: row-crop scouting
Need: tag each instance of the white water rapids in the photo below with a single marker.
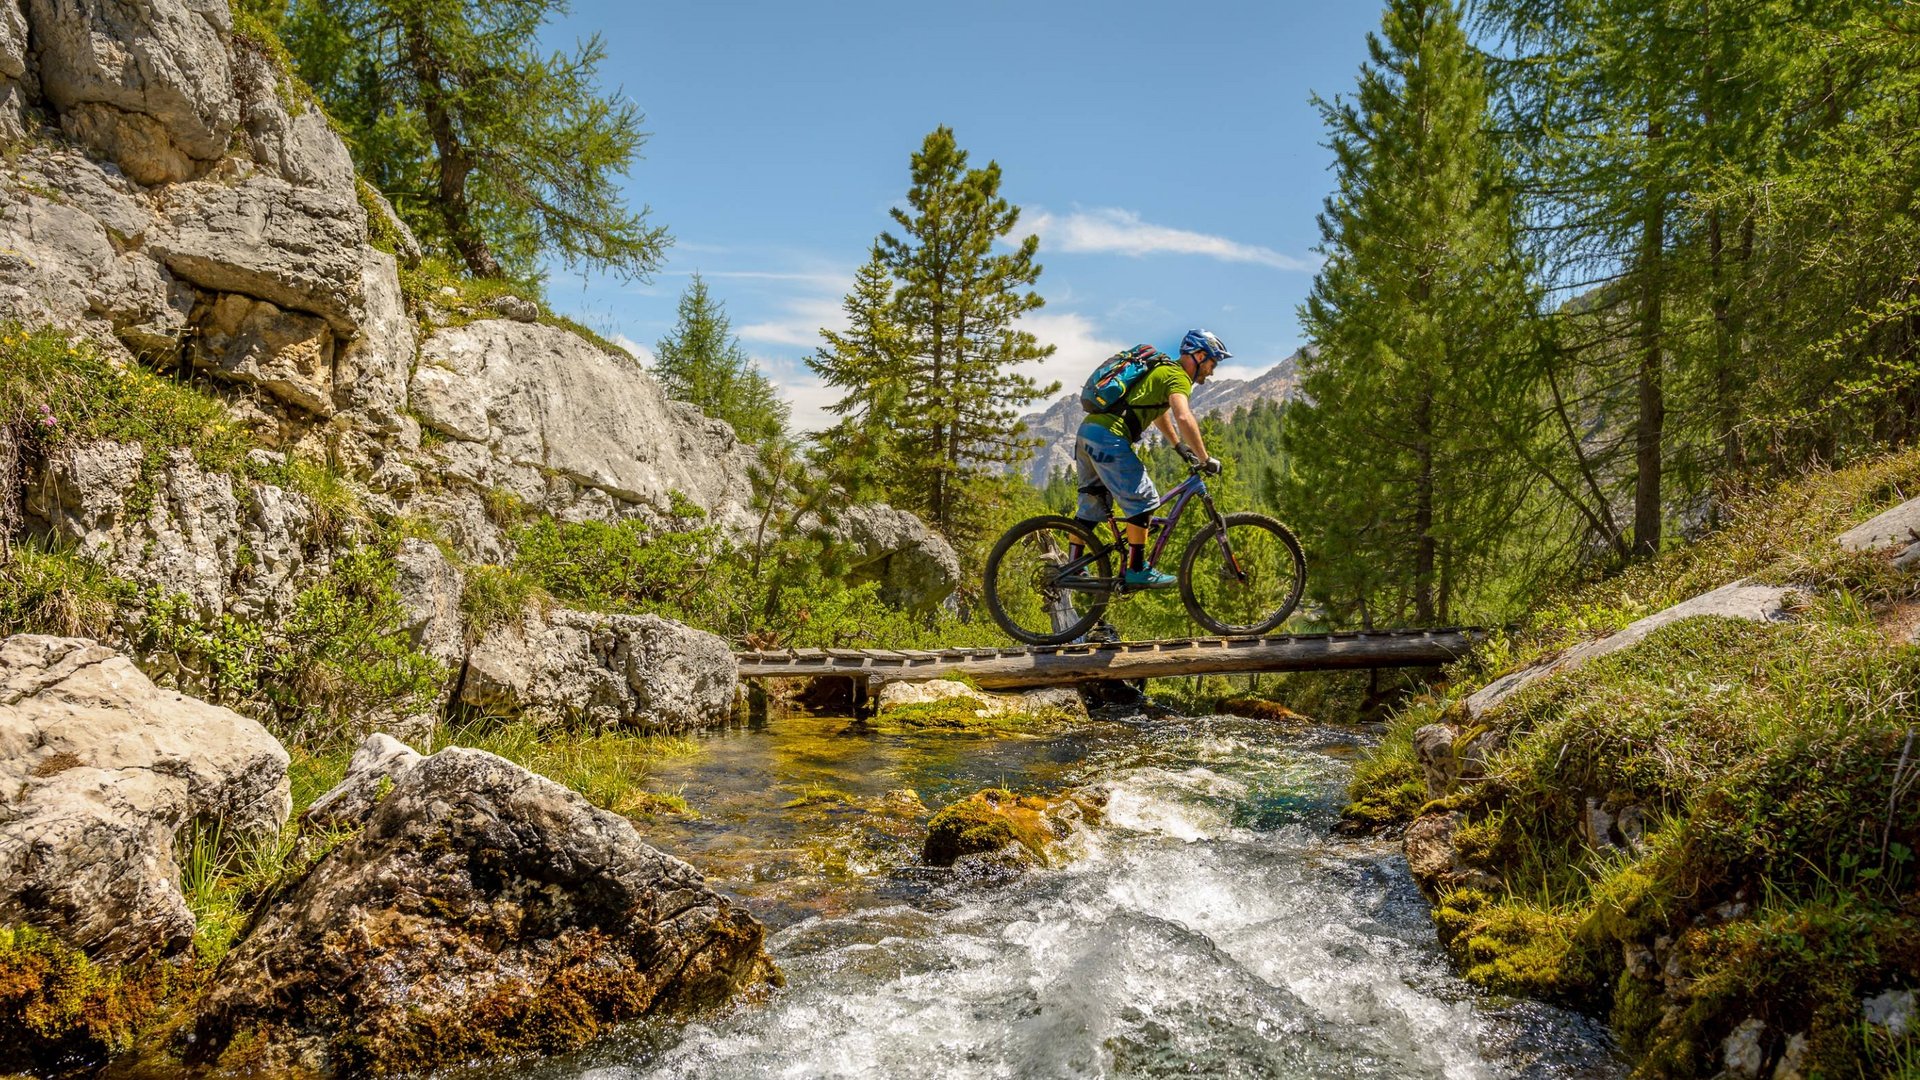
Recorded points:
(1209, 926)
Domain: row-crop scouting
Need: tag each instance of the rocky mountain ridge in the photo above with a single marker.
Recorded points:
(1058, 424)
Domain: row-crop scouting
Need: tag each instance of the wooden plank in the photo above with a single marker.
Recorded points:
(1010, 668)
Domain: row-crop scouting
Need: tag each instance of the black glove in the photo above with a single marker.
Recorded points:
(1212, 467)
(1186, 451)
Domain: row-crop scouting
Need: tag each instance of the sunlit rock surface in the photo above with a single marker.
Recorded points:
(100, 774)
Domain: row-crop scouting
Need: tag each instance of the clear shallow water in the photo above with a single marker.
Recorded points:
(1209, 926)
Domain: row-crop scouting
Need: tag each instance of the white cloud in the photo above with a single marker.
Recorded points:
(1079, 346)
(806, 395)
(640, 352)
(1121, 232)
(800, 320)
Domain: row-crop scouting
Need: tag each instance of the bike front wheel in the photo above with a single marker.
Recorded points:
(1242, 574)
(1048, 580)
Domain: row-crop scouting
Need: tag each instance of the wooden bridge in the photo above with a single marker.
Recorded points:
(1052, 665)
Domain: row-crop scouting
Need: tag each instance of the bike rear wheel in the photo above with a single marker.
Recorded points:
(1031, 593)
(1242, 574)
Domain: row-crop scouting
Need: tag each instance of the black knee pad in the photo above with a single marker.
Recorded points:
(1141, 519)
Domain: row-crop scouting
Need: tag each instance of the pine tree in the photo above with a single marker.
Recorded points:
(958, 301)
(700, 362)
(1395, 470)
(495, 152)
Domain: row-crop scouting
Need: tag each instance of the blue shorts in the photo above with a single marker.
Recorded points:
(1110, 472)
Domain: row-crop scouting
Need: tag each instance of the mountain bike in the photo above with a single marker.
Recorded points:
(1050, 578)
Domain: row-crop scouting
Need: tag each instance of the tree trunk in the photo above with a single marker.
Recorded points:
(1650, 425)
(455, 163)
(1425, 548)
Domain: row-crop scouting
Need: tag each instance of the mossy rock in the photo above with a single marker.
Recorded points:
(987, 821)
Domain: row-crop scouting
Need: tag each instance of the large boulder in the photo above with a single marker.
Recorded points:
(482, 911)
(100, 774)
(636, 671)
(562, 422)
(915, 568)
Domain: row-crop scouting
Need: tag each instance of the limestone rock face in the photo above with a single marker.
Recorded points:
(285, 353)
(482, 911)
(262, 236)
(524, 405)
(194, 537)
(430, 586)
(297, 144)
(100, 771)
(13, 70)
(915, 567)
(70, 254)
(149, 84)
(637, 671)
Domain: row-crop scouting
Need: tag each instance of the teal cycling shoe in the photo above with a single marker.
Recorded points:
(1147, 579)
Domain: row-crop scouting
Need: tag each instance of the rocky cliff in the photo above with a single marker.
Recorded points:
(177, 200)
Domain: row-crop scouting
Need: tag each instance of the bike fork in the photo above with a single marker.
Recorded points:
(1220, 523)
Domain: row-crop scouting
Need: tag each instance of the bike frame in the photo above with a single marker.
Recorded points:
(1194, 486)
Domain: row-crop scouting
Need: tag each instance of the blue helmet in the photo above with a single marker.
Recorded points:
(1203, 341)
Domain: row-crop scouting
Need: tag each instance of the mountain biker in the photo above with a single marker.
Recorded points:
(1111, 471)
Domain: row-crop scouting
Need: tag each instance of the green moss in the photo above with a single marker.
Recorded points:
(62, 1012)
(988, 821)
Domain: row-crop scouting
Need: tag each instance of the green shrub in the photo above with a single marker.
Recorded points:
(494, 596)
(348, 653)
(58, 391)
(690, 572)
(341, 657)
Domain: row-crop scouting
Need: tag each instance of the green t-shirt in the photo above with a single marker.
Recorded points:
(1145, 401)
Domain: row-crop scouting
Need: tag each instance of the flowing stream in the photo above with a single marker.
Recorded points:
(1208, 926)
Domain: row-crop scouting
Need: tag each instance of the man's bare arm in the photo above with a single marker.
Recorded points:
(1183, 418)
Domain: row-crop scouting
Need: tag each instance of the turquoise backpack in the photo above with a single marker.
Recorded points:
(1107, 387)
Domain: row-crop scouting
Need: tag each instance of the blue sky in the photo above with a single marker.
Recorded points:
(1166, 154)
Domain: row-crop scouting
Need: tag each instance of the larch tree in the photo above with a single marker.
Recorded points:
(1395, 468)
(957, 301)
(701, 362)
(866, 363)
(496, 153)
